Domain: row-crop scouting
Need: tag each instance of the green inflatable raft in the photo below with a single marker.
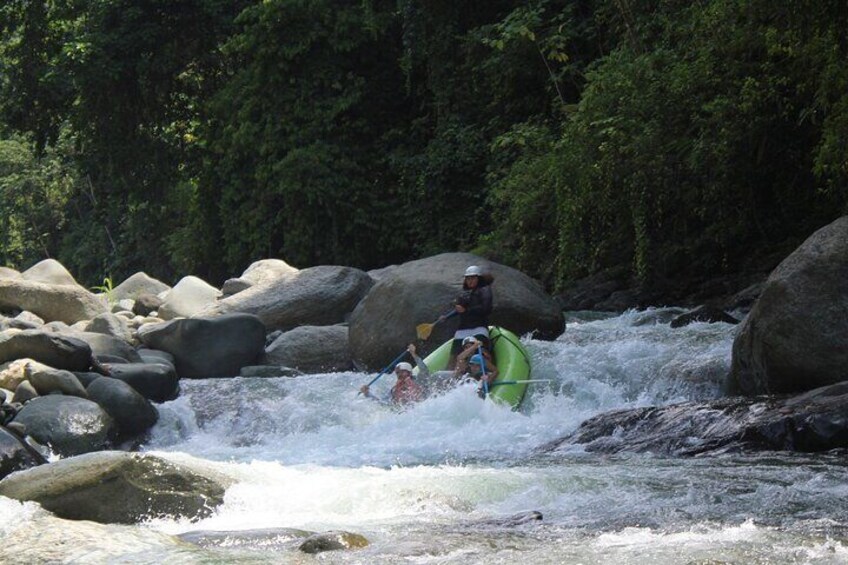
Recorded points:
(512, 361)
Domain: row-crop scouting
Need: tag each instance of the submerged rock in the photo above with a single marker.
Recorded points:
(268, 539)
(706, 314)
(816, 421)
(332, 541)
(118, 488)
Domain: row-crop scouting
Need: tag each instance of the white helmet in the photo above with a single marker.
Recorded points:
(473, 271)
(403, 366)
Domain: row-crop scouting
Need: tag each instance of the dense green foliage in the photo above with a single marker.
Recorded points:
(563, 137)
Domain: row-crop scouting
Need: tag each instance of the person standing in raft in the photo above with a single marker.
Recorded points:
(405, 390)
(474, 306)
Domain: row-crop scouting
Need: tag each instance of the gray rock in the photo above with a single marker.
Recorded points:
(16, 324)
(268, 371)
(86, 378)
(47, 380)
(379, 274)
(110, 324)
(154, 381)
(15, 454)
(58, 351)
(420, 291)
(7, 273)
(269, 539)
(69, 425)
(157, 356)
(268, 270)
(123, 305)
(25, 392)
(103, 345)
(188, 298)
(316, 296)
(145, 304)
(118, 488)
(208, 347)
(136, 285)
(794, 338)
(332, 541)
(234, 286)
(312, 349)
(706, 314)
(132, 413)
(49, 271)
(68, 304)
(30, 318)
(13, 372)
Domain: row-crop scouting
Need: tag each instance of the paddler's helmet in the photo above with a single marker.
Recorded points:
(403, 366)
(473, 271)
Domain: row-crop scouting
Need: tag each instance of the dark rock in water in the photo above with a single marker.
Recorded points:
(118, 488)
(520, 519)
(154, 381)
(266, 371)
(57, 351)
(332, 541)
(69, 425)
(16, 454)
(419, 291)
(706, 314)
(145, 304)
(209, 347)
(312, 349)
(316, 296)
(794, 339)
(132, 413)
(816, 421)
(266, 539)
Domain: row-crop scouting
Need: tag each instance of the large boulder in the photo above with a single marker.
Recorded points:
(16, 454)
(58, 351)
(794, 338)
(63, 303)
(136, 285)
(319, 296)
(131, 411)
(189, 297)
(50, 271)
(154, 381)
(419, 291)
(69, 425)
(208, 347)
(8, 273)
(118, 488)
(311, 349)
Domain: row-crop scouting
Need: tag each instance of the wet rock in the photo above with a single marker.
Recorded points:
(132, 413)
(69, 425)
(332, 541)
(68, 304)
(419, 291)
(270, 539)
(208, 347)
(15, 454)
(154, 381)
(312, 349)
(816, 421)
(58, 351)
(118, 488)
(708, 314)
(188, 298)
(137, 285)
(49, 271)
(520, 519)
(317, 296)
(794, 338)
(268, 371)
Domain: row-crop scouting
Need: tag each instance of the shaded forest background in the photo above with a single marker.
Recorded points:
(562, 137)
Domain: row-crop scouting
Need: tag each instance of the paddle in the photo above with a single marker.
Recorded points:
(386, 369)
(522, 382)
(424, 330)
(483, 368)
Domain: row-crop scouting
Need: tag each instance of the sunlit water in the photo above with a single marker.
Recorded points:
(434, 483)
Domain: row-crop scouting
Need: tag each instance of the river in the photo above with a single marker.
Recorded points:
(437, 483)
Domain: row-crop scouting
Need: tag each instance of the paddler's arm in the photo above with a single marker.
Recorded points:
(423, 370)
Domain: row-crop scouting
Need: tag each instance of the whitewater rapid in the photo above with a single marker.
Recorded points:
(436, 482)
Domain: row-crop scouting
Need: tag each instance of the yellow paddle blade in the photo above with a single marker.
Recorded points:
(424, 330)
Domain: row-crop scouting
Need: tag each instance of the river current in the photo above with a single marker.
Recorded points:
(440, 481)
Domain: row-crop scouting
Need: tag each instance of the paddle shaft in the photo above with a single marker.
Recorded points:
(522, 382)
(387, 368)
